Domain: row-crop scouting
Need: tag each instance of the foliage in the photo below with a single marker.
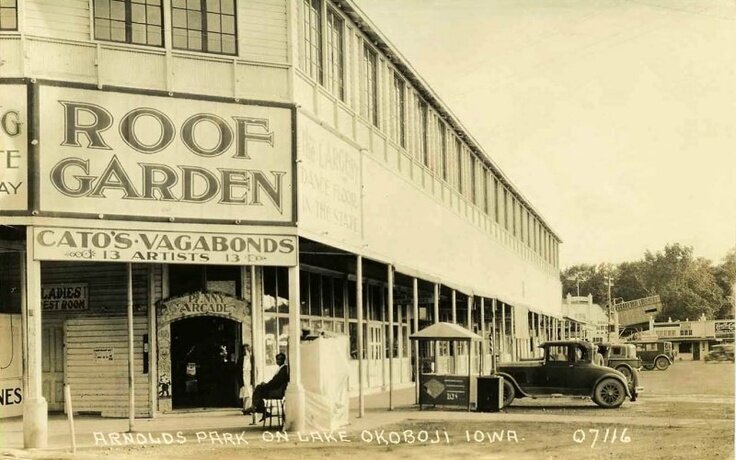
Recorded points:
(689, 286)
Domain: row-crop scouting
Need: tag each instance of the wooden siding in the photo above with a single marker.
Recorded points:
(101, 386)
(54, 19)
(263, 30)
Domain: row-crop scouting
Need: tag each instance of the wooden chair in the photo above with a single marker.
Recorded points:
(274, 409)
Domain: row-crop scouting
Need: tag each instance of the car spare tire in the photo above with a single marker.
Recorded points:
(509, 392)
(609, 393)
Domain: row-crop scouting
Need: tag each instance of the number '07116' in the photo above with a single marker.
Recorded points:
(596, 435)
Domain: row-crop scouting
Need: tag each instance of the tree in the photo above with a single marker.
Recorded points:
(591, 279)
(725, 275)
(685, 284)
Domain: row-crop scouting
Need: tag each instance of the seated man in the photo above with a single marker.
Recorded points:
(274, 388)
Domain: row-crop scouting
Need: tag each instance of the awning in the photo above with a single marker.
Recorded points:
(445, 331)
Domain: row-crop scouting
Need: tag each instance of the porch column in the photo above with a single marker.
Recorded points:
(35, 409)
(390, 274)
(494, 345)
(483, 344)
(468, 317)
(503, 330)
(131, 356)
(514, 341)
(294, 391)
(152, 364)
(359, 302)
(415, 318)
(454, 307)
(400, 341)
(453, 297)
(436, 312)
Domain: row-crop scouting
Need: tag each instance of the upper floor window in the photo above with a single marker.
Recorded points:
(398, 111)
(443, 151)
(312, 58)
(335, 80)
(423, 132)
(128, 21)
(369, 93)
(459, 150)
(204, 25)
(8, 14)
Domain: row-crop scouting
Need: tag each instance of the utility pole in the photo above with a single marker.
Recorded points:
(611, 336)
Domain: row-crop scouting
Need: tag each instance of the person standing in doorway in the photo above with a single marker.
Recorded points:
(245, 377)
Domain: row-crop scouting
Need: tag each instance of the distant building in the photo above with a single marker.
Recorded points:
(585, 319)
(693, 339)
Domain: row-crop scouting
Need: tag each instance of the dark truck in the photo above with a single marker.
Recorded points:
(654, 353)
(620, 356)
(566, 368)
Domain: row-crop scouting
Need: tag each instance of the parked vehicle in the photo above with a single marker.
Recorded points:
(655, 353)
(622, 357)
(566, 368)
(720, 353)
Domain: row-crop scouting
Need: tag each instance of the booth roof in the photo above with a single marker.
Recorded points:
(445, 331)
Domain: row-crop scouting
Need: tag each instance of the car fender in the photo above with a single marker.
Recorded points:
(520, 393)
(620, 378)
(662, 356)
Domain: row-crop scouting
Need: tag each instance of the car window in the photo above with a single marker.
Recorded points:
(581, 353)
(557, 353)
(616, 351)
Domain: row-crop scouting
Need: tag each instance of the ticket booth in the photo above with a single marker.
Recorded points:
(449, 389)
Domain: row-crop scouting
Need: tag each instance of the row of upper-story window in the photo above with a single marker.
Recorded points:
(199, 25)
(384, 98)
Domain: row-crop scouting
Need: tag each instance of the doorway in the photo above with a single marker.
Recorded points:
(52, 364)
(204, 355)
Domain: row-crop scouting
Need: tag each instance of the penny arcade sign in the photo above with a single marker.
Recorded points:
(108, 153)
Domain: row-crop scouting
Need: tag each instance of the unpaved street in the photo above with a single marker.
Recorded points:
(685, 412)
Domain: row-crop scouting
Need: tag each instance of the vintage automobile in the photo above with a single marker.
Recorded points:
(654, 353)
(566, 368)
(622, 357)
(719, 353)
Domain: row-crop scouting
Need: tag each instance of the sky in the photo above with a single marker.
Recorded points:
(615, 118)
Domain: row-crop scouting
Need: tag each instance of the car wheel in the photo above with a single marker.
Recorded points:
(509, 392)
(609, 393)
(662, 364)
(626, 371)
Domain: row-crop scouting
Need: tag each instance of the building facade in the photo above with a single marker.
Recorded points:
(692, 339)
(179, 178)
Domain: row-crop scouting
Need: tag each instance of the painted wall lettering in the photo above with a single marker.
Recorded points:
(13, 148)
(149, 155)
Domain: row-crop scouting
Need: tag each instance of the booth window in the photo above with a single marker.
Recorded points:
(128, 21)
(8, 14)
(312, 57)
(204, 25)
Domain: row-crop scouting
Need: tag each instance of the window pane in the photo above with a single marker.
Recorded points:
(180, 38)
(213, 6)
(338, 286)
(282, 281)
(194, 20)
(154, 15)
(228, 24)
(195, 40)
(138, 13)
(118, 31)
(179, 18)
(213, 22)
(213, 43)
(102, 29)
(228, 44)
(139, 33)
(102, 8)
(154, 36)
(228, 6)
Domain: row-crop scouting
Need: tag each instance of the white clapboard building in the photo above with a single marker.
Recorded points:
(190, 175)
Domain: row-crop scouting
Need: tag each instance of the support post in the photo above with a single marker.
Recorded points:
(152, 347)
(469, 319)
(455, 351)
(483, 343)
(494, 345)
(361, 358)
(436, 313)
(294, 391)
(390, 274)
(415, 318)
(35, 409)
(131, 356)
(503, 330)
